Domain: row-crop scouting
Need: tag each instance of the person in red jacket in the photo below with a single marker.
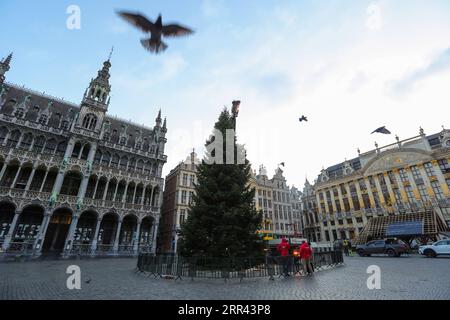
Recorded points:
(283, 249)
(305, 256)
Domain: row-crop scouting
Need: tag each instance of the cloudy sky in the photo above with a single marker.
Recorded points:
(350, 66)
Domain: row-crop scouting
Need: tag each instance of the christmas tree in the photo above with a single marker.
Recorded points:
(222, 221)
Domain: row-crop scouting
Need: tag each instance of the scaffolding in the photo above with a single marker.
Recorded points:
(376, 228)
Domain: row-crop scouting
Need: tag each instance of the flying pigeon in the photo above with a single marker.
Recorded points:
(88, 280)
(157, 30)
(382, 130)
(303, 118)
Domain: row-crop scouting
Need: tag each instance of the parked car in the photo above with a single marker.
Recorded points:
(441, 247)
(391, 247)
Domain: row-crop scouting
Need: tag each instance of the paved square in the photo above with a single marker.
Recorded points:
(409, 277)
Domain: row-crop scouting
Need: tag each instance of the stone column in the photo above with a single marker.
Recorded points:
(319, 207)
(30, 179)
(349, 196)
(115, 191)
(5, 165)
(60, 178)
(341, 198)
(134, 193)
(106, 190)
(6, 138)
(359, 193)
(327, 209)
(95, 239)
(333, 201)
(380, 191)
(124, 197)
(83, 187)
(70, 235)
(43, 180)
(15, 178)
(154, 235)
(11, 230)
(42, 231)
(137, 238)
(389, 187)
(143, 195)
(152, 195)
(95, 188)
(116, 240)
(369, 192)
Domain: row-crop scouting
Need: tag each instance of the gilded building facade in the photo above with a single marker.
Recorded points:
(74, 180)
(402, 177)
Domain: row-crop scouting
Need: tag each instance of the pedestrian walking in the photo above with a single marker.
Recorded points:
(305, 256)
(346, 247)
(283, 248)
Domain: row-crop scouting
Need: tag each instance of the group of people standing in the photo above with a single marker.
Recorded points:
(305, 254)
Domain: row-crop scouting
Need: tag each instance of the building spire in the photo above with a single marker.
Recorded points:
(4, 67)
(158, 119)
(110, 53)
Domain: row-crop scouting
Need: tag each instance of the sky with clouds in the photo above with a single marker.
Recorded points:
(350, 66)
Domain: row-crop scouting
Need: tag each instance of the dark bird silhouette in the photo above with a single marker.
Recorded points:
(303, 118)
(282, 164)
(157, 30)
(382, 130)
(88, 280)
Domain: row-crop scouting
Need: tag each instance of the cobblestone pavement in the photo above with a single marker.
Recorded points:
(409, 277)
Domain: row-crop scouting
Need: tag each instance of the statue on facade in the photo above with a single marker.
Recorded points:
(64, 163)
(52, 200)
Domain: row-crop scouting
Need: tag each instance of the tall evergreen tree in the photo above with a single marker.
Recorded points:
(223, 220)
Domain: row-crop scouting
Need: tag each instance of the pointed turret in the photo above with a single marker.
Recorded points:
(4, 67)
(99, 88)
(158, 119)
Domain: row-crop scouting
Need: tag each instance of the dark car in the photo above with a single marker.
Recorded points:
(391, 247)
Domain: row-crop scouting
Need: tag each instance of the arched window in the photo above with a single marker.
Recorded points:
(50, 146)
(106, 158)
(98, 157)
(13, 139)
(147, 167)
(26, 141)
(132, 164)
(38, 144)
(85, 153)
(76, 150)
(123, 163)
(3, 133)
(140, 165)
(115, 161)
(89, 121)
(62, 146)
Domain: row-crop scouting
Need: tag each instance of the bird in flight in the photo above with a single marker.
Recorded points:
(303, 118)
(382, 130)
(157, 30)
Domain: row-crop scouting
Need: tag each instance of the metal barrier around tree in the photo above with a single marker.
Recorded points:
(228, 268)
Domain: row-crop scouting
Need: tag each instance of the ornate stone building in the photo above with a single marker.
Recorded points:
(74, 180)
(178, 193)
(407, 176)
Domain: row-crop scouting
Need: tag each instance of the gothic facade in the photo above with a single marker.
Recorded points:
(73, 180)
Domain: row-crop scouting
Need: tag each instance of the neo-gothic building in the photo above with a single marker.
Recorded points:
(74, 180)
